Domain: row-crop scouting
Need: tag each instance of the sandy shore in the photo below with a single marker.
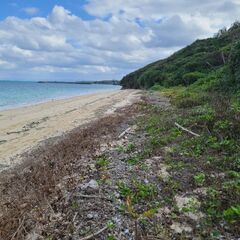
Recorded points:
(23, 128)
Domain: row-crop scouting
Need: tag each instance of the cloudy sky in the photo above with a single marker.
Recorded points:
(100, 39)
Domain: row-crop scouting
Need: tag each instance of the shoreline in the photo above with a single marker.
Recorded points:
(23, 128)
(23, 105)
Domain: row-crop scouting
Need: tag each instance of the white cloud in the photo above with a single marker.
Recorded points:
(124, 36)
(30, 10)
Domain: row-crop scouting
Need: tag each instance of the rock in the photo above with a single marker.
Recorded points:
(195, 216)
(33, 236)
(168, 149)
(117, 195)
(146, 181)
(179, 228)
(157, 158)
(91, 187)
(90, 216)
(201, 191)
(92, 167)
(161, 212)
(163, 173)
(187, 202)
(191, 204)
(24, 205)
(103, 147)
(149, 162)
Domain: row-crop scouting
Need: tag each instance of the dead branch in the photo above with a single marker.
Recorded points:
(223, 57)
(18, 229)
(186, 130)
(208, 63)
(124, 132)
(94, 234)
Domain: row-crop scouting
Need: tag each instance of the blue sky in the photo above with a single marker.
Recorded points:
(100, 39)
(16, 8)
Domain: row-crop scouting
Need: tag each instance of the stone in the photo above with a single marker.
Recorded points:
(180, 228)
(187, 202)
(191, 204)
(33, 236)
(163, 173)
(201, 191)
(163, 211)
(91, 187)
(90, 216)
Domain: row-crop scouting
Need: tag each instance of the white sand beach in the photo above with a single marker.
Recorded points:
(23, 128)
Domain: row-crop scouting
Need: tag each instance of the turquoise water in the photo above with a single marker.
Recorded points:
(15, 93)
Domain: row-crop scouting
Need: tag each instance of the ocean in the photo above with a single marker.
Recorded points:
(15, 94)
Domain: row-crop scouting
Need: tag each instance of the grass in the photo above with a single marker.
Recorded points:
(126, 149)
(199, 179)
(210, 161)
(135, 193)
(102, 162)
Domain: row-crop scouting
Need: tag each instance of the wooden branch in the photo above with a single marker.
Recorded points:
(186, 130)
(94, 234)
(223, 57)
(210, 64)
(124, 132)
(18, 229)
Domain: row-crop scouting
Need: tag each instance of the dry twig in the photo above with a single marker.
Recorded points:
(18, 229)
(124, 132)
(186, 130)
(94, 234)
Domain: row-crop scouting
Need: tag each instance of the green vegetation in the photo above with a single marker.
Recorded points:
(135, 193)
(199, 179)
(214, 62)
(203, 84)
(102, 162)
(209, 163)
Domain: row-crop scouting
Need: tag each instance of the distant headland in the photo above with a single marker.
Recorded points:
(109, 82)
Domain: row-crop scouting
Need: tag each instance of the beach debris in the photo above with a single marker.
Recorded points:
(2, 141)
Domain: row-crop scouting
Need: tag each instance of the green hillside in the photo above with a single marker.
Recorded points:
(216, 57)
(202, 82)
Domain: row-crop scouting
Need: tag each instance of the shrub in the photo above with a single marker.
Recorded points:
(192, 77)
(232, 214)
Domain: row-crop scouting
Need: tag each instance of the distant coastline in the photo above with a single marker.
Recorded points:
(108, 82)
(14, 94)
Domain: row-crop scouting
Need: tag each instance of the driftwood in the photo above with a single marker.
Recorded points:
(186, 130)
(94, 234)
(124, 132)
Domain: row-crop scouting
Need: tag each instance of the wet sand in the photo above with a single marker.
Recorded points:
(23, 128)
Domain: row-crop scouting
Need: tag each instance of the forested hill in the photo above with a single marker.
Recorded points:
(216, 58)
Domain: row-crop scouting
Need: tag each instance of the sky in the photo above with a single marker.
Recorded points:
(70, 40)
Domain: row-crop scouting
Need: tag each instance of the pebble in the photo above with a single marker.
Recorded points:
(90, 216)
